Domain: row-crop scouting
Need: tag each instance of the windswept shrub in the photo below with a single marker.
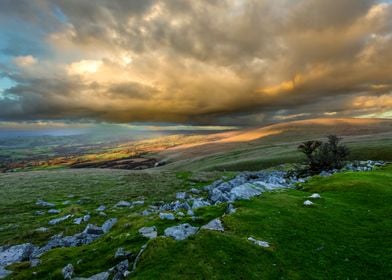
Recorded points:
(324, 156)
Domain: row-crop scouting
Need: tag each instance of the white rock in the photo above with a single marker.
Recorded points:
(59, 220)
(123, 204)
(181, 195)
(215, 224)
(43, 203)
(260, 243)
(108, 224)
(308, 203)
(149, 232)
(68, 271)
(16, 253)
(197, 203)
(101, 208)
(54, 211)
(166, 216)
(245, 191)
(139, 202)
(315, 195)
(181, 232)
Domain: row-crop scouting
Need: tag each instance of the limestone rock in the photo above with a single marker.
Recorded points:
(181, 195)
(315, 195)
(93, 229)
(215, 224)
(245, 191)
(59, 220)
(123, 204)
(54, 211)
(101, 208)
(260, 243)
(68, 271)
(181, 232)
(16, 253)
(308, 203)
(108, 224)
(167, 216)
(149, 232)
(43, 203)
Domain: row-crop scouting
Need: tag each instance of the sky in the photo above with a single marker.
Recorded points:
(212, 63)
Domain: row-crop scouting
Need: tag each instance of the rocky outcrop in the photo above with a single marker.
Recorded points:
(68, 271)
(181, 232)
(215, 224)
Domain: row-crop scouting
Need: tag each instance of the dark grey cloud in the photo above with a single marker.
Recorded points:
(230, 61)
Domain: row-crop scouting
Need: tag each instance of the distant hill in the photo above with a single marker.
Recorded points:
(260, 147)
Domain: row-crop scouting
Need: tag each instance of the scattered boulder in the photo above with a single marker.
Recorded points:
(59, 220)
(230, 209)
(181, 232)
(260, 243)
(93, 229)
(146, 212)
(245, 191)
(123, 204)
(100, 276)
(181, 195)
(139, 202)
(42, 229)
(121, 253)
(67, 202)
(121, 270)
(68, 271)
(195, 191)
(4, 272)
(315, 195)
(53, 211)
(167, 216)
(44, 203)
(39, 213)
(16, 253)
(308, 203)
(149, 232)
(190, 213)
(199, 202)
(215, 224)
(108, 224)
(101, 208)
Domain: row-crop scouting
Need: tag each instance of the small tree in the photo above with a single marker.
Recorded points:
(324, 156)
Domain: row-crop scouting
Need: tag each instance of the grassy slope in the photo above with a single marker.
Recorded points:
(346, 235)
(367, 139)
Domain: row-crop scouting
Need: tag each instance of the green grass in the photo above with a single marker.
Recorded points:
(346, 235)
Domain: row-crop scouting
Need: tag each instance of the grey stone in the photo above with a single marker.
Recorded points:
(181, 232)
(93, 229)
(139, 202)
(244, 191)
(86, 218)
(315, 195)
(54, 211)
(39, 213)
(308, 203)
(167, 216)
(123, 204)
(146, 212)
(68, 271)
(59, 220)
(215, 224)
(67, 202)
(101, 208)
(121, 253)
(42, 229)
(181, 214)
(149, 232)
(103, 214)
(121, 270)
(34, 262)
(195, 191)
(230, 209)
(108, 224)
(100, 276)
(181, 195)
(260, 243)
(198, 202)
(43, 203)
(16, 253)
(190, 213)
(4, 272)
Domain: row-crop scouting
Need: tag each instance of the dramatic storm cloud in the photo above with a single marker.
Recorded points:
(227, 62)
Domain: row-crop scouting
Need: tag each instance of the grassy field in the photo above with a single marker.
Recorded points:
(345, 235)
